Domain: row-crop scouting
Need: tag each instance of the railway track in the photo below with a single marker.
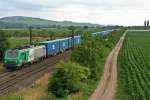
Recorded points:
(13, 81)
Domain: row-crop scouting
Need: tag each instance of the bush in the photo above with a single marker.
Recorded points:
(67, 79)
(89, 53)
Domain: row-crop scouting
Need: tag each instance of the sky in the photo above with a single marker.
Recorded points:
(106, 12)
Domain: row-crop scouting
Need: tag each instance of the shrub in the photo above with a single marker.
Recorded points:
(89, 53)
(67, 79)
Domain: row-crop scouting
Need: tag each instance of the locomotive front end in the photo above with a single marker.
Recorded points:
(11, 59)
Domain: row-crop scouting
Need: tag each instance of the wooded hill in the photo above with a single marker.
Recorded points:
(23, 22)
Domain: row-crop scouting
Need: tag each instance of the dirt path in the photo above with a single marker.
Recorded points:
(108, 83)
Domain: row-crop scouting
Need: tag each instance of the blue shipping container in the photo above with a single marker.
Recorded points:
(64, 44)
(52, 47)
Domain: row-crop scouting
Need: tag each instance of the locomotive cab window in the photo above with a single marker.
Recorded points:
(12, 54)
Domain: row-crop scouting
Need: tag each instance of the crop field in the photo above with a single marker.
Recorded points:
(134, 67)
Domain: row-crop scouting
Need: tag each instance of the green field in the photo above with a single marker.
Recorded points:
(134, 67)
(18, 37)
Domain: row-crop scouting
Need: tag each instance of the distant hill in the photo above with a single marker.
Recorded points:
(23, 22)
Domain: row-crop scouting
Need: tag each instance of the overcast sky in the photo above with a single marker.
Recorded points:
(119, 12)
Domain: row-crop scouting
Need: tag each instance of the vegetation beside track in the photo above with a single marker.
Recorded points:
(90, 54)
(134, 67)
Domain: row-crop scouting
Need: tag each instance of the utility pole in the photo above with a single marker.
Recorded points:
(30, 31)
(72, 28)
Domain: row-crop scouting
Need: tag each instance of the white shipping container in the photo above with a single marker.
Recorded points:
(37, 53)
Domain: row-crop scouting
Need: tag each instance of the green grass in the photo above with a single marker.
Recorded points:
(134, 67)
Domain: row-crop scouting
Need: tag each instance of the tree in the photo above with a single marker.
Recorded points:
(4, 44)
(67, 79)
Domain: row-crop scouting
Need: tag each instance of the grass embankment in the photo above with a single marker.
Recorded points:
(134, 67)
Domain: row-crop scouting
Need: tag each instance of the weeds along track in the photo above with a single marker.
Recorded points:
(12, 81)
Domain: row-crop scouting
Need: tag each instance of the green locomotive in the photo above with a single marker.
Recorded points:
(16, 58)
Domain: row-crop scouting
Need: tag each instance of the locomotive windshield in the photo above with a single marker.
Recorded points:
(12, 54)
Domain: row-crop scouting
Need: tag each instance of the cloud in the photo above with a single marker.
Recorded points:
(126, 12)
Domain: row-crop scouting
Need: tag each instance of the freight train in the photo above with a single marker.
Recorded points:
(18, 57)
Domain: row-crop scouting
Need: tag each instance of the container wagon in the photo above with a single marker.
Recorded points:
(52, 47)
(37, 53)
